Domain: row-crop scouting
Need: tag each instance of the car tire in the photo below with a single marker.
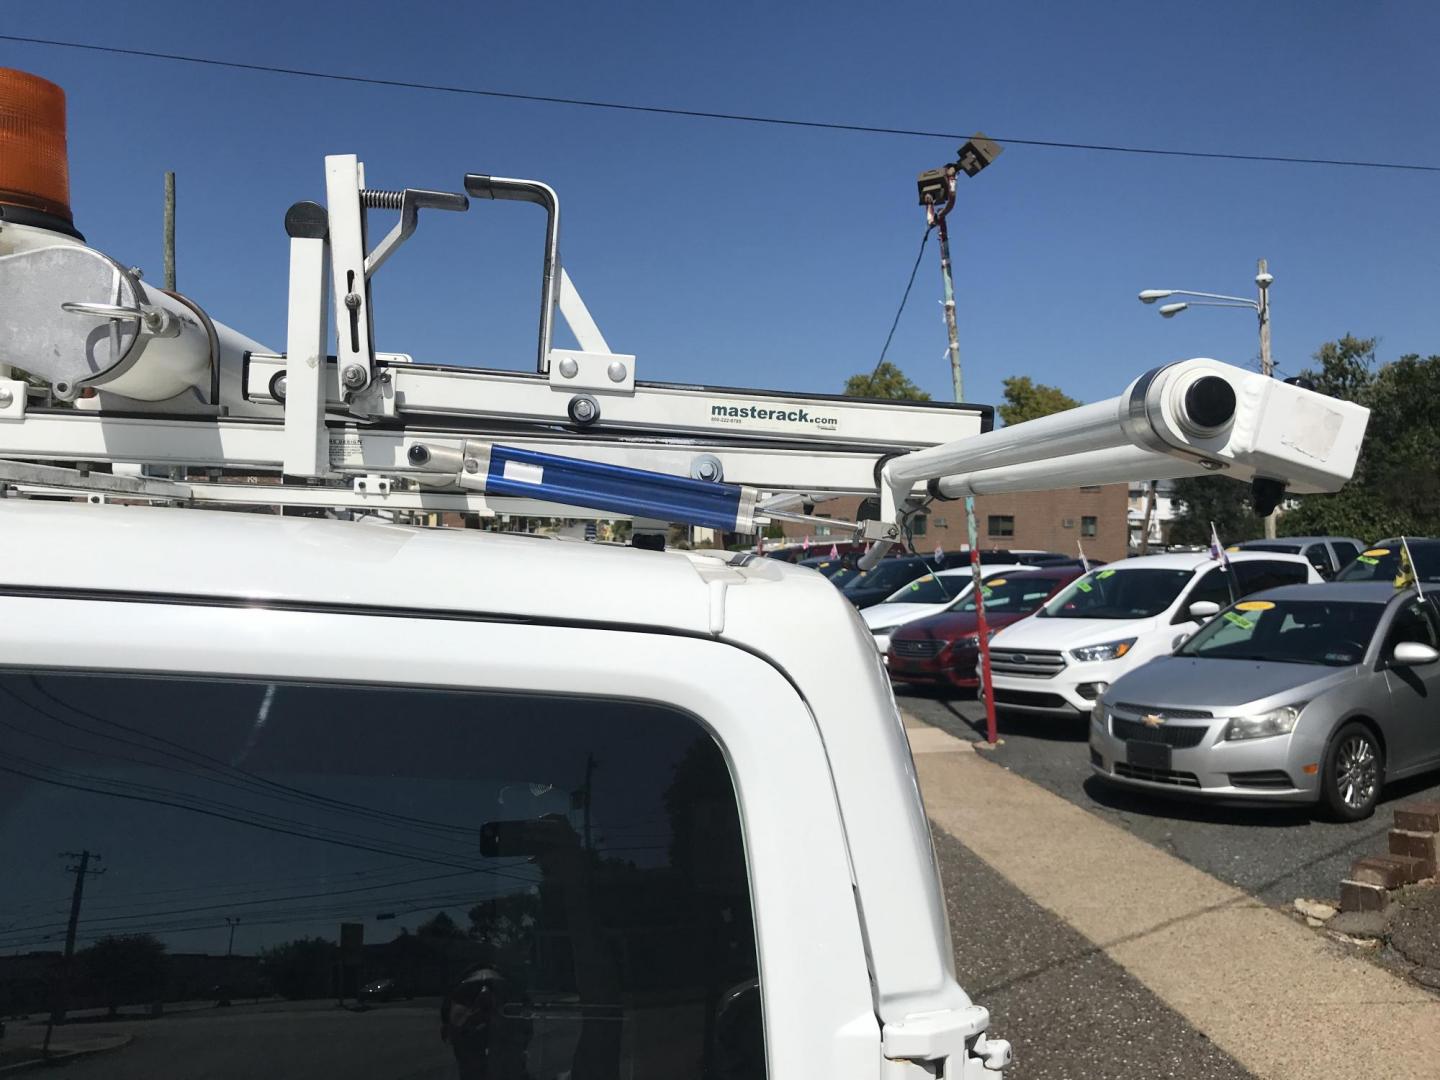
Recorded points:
(1354, 773)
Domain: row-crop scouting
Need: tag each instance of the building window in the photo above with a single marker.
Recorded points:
(1001, 525)
(917, 527)
(1088, 525)
(1091, 489)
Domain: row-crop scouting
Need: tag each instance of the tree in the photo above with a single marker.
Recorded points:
(1028, 400)
(887, 381)
(1199, 500)
(128, 968)
(1395, 490)
(304, 968)
(441, 926)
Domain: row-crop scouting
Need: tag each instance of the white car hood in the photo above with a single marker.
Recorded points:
(1038, 633)
(878, 615)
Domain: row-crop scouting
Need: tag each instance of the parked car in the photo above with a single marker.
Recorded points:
(1381, 562)
(873, 586)
(828, 566)
(1299, 694)
(942, 650)
(1116, 618)
(927, 595)
(1328, 554)
(864, 588)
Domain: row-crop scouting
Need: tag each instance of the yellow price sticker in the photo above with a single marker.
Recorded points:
(1375, 552)
(995, 581)
(1254, 605)
(1233, 548)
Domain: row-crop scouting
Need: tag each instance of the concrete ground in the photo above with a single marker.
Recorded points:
(1102, 955)
(1275, 853)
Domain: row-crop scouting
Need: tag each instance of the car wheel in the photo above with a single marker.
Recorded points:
(1354, 772)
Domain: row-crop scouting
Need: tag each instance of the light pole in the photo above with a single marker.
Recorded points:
(937, 195)
(1261, 307)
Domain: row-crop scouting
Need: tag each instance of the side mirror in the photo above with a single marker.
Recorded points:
(1204, 609)
(1413, 654)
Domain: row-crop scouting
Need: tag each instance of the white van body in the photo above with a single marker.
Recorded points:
(852, 945)
(1038, 664)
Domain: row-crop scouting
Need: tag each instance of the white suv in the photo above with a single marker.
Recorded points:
(1116, 618)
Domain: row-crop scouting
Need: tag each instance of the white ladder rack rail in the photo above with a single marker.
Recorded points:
(174, 389)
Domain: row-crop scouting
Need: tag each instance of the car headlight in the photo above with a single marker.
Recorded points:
(1111, 650)
(1279, 721)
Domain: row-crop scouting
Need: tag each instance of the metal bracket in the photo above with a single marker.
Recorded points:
(12, 399)
(372, 484)
(609, 373)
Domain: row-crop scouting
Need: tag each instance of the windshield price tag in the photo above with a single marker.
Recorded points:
(1083, 586)
(1238, 620)
(1103, 574)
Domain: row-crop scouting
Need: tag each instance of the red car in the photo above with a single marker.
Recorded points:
(943, 650)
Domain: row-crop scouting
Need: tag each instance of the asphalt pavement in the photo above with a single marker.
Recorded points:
(1274, 853)
(1068, 1010)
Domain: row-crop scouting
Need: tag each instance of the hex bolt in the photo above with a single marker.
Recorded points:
(616, 371)
(354, 376)
(352, 301)
(569, 368)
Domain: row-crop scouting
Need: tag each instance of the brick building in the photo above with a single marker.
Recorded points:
(1046, 520)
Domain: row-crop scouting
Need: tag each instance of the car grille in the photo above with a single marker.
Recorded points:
(1169, 714)
(916, 648)
(1031, 663)
(1157, 776)
(1270, 779)
(1181, 738)
(1027, 697)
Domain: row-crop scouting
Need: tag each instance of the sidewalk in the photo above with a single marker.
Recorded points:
(16, 1055)
(1284, 1002)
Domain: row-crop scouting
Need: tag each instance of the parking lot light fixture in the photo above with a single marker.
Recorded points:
(1169, 311)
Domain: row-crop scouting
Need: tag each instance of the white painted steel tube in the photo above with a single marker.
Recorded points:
(1120, 464)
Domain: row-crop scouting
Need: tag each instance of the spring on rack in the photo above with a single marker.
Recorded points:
(378, 199)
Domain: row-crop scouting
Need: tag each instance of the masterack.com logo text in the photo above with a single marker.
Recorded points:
(753, 415)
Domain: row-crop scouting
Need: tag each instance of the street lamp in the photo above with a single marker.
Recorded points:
(1261, 307)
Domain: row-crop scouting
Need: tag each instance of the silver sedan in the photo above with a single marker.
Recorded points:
(1307, 693)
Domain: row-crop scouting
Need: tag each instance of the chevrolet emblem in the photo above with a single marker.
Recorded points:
(1152, 720)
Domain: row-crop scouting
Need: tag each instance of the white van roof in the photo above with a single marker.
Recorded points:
(80, 548)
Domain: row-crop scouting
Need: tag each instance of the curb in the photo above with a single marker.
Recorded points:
(65, 1055)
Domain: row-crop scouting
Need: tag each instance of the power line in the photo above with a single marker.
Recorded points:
(701, 114)
(901, 309)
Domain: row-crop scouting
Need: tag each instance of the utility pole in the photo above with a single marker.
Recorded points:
(57, 1011)
(1267, 366)
(935, 184)
(170, 232)
(1149, 511)
(232, 923)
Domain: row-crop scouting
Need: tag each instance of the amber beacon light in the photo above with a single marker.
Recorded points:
(34, 175)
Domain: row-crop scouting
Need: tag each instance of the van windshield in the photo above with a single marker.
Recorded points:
(1118, 594)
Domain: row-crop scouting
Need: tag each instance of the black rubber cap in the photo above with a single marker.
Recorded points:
(307, 220)
(1210, 402)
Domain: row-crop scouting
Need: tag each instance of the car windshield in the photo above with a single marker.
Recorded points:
(1327, 632)
(930, 589)
(890, 574)
(1009, 595)
(843, 576)
(1383, 563)
(1118, 594)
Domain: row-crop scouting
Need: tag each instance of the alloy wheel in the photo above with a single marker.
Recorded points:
(1357, 771)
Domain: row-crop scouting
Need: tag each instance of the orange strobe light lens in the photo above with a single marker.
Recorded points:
(33, 170)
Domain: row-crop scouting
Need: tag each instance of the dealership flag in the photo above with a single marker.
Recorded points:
(834, 552)
(1407, 575)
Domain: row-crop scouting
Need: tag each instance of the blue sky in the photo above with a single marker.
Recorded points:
(758, 256)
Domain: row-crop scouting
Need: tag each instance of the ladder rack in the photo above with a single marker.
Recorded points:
(145, 376)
